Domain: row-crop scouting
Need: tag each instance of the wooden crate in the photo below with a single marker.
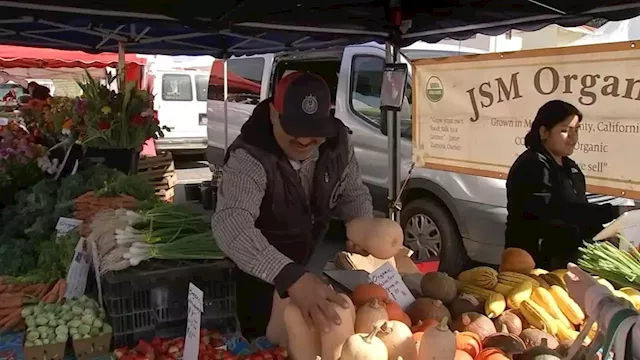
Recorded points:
(160, 171)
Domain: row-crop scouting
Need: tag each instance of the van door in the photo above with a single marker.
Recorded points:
(248, 80)
(178, 105)
(359, 106)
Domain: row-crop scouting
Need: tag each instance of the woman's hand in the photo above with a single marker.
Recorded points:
(578, 282)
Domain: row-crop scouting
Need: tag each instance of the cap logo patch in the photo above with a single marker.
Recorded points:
(310, 105)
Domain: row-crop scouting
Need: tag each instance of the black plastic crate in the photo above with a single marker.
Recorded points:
(151, 299)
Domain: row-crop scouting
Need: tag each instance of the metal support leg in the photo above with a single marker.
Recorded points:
(393, 138)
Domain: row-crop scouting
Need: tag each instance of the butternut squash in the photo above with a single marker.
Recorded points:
(303, 340)
(276, 331)
(398, 339)
(333, 340)
(364, 347)
(438, 343)
(380, 237)
(368, 316)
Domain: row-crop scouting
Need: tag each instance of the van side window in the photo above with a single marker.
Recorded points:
(366, 85)
(244, 80)
(176, 87)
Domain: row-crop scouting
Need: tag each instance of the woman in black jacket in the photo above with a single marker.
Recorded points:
(549, 215)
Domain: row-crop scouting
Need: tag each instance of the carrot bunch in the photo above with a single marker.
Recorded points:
(89, 204)
(13, 297)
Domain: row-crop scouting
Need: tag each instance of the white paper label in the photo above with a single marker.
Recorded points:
(65, 225)
(95, 259)
(194, 316)
(389, 278)
(78, 272)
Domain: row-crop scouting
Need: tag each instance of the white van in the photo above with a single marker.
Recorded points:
(180, 97)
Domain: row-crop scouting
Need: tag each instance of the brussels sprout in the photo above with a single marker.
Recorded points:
(89, 311)
(28, 344)
(62, 329)
(26, 311)
(76, 310)
(53, 323)
(66, 307)
(76, 336)
(45, 341)
(97, 323)
(32, 335)
(106, 328)
(68, 316)
(50, 308)
(73, 331)
(38, 342)
(41, 320)
(94, 332)
(74, 323)
(84, 329)
(88, 319)
(30, 321)
(43, 329)
(86, 336)
(61, 338)
(50, 316)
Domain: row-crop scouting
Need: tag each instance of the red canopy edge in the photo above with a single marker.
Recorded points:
(234, 80)
(27, 57)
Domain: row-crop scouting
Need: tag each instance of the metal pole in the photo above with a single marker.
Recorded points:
(393, 137)
(226, 118)
(121, 67)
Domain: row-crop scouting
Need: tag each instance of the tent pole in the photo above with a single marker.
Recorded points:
(393, 137)
(226, 94)
(121, 66)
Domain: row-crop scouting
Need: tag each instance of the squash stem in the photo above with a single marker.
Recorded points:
(372, 334)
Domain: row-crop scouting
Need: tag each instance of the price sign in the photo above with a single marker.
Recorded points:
(194, 315)
(389, 278)
(65, 225)
(78, 272)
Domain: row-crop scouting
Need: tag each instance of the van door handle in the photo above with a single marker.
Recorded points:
(171, 127)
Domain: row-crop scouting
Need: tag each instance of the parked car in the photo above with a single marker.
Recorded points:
(449, 215)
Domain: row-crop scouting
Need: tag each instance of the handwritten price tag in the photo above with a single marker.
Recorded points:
(194, 316)
(389, 278)
(65, 225)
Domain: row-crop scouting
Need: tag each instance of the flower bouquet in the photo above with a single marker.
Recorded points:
(116, 124)
(20, 161)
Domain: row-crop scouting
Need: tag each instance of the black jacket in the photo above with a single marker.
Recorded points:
(548, 202)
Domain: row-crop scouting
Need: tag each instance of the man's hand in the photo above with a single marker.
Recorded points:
(314, 299)
(353, 248)
(578, 282)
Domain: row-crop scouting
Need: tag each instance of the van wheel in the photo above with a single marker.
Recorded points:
(432, 234)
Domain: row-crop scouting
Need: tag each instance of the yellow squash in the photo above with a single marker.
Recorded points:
(538, 317)
(503, 289)
(542, 297)
(569, 308)
(521, 293)
(514, 279)
(495, 305)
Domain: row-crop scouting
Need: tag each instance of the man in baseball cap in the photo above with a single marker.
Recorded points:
(288, 173)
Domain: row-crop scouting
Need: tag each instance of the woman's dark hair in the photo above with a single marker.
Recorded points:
(549, 115)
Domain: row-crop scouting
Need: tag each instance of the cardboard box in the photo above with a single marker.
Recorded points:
(402, 262)
(86, 349)
(45, 352)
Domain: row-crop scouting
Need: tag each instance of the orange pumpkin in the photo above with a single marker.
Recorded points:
(423, 325)
(417, 337)
(366, 293)
(394, 310)
(469, 342)
(517, 260)
(462, 355)
(492, 354)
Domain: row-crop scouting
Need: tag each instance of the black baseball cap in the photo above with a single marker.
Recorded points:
(303, 101)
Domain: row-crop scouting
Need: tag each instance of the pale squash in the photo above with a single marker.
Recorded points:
(438, 343)
(333, 340)
(398, 339)
(368, 316)
(364, 347)
(303, 340)
(380, 237)
(276, 331)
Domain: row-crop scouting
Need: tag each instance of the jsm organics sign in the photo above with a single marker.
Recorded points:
(473, 112)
